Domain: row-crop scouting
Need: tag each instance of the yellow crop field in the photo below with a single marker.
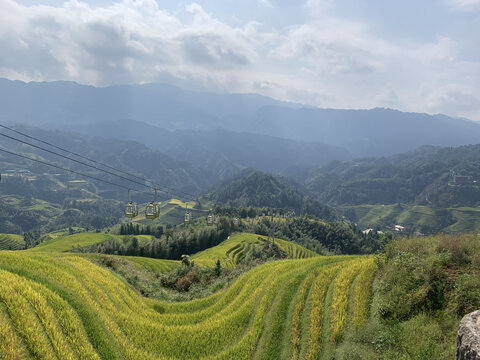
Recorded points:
(62, 306)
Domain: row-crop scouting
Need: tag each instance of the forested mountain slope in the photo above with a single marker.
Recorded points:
(221, 151)
(436, 176)
(257, 189)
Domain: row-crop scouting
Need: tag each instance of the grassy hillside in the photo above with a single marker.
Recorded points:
(419, 217)
(11, 242)
(142, 263)
(67, 243)
(231, 251)
(466, 220)
(54, 306)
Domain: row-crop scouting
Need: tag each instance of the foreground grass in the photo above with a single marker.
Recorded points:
(422, 289)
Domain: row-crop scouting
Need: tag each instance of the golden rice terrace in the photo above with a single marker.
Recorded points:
(55, 306)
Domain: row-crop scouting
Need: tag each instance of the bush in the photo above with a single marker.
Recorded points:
(185, 282)
(429, 274)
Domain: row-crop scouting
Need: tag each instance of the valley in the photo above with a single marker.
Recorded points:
(266, 245)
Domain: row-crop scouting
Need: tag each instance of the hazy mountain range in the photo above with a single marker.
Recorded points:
(375, 132)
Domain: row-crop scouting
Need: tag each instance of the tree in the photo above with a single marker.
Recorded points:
(218, 268)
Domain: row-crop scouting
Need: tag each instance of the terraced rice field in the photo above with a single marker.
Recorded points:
(55, 306)
(143, 263)
(232, 251)
(11, 242)
(155, 265)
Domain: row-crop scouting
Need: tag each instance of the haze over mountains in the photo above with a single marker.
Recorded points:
(375, 132)
(191, 141)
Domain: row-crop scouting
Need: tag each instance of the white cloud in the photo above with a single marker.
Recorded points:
(464, 5)
(265, 3)
(129, 41)
(326, 61)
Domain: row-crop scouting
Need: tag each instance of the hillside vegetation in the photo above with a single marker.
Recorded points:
(71, 242)
(425, 176)
(256, 189)
(419, 217)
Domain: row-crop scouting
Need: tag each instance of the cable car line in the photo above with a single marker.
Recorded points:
(74, 160)
(80, 173)
(131, 209)
(72, 171)
(96, 168)
(94, 161)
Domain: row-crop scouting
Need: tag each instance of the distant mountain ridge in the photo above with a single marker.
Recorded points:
(375, 132)
(221, 152)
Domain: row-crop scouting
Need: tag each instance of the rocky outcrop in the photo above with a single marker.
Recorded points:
(468, 338)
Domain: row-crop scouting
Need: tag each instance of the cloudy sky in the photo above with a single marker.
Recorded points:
(412, 55)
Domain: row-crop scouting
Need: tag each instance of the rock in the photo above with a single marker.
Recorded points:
(468, 337)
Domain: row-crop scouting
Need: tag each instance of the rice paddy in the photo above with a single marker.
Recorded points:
(232, 251)
(63, 306)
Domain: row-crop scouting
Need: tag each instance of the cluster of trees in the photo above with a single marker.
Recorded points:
(15, 220)
(251, 211)
(131, 229)
(31, 239)
(100, 207)
(174, 242)
(322, 237)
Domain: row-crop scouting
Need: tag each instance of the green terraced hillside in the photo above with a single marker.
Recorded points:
(231, 251)
(142, 263)
(418, 217)
(70, 242)
(11, 242)
(59, 306)
(64, 244)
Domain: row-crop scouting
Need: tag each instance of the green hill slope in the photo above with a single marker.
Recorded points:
(231, 251)
(63, 306)
(11, 242)
(442, 177)
(70, 242)
(418, 217)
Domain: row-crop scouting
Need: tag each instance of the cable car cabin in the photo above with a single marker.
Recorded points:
(210, 220)
(188, 218)
(152, 211)
(236, 221)
(131, 210)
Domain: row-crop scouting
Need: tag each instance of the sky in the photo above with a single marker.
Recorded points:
(410, 55)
